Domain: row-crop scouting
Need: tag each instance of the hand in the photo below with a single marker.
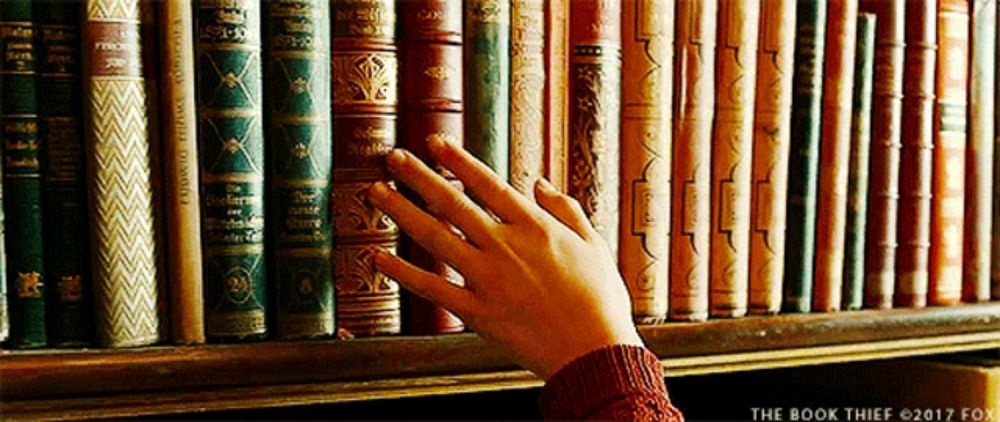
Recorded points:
(539, 280)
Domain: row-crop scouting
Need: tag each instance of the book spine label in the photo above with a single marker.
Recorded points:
(556, 92)
(915, 165)
(22, 143)
(950, 124)
(297, 116)
(732, 144)
(835, 150)
(487, 82)
(231, 153)
(979, 157)
(123, 232)
(65, 215)
(803, 166)
(365, 70)
(772, 120)
(883, 190)
(527, 93)
(694, 67)
(857, 178)
(644, 235)
(594, 117)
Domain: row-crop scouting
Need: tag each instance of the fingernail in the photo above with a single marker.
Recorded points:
(395, 159)
(546, 185)
(378, 191)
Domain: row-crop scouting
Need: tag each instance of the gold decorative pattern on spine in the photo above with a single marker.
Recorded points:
(527, 93)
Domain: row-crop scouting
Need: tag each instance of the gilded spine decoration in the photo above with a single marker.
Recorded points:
(527, 93)
(487, 82)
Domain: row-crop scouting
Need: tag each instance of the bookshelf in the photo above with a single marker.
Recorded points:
(77, 384)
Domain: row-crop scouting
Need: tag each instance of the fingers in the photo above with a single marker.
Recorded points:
(430, 286)
(442, 198)
(565, 209)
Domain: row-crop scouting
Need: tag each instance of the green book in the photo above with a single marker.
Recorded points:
(857, 179)
(231, 152)
(300, 153)
(803, 169)
(487, 82)
(64, 189)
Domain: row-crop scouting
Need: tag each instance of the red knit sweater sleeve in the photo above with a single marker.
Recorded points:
(623, 383)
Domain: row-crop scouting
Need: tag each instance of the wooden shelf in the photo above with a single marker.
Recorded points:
(105, 383)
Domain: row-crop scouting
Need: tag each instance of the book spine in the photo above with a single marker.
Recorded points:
(120, 177)
(231, 139)
(180, 168)
(915, 165)
(556, 92)
(644, 237)
(431, 107)
(772, 121)
(883, 190)
(297, 118)
(594, 116)
(732, 151)
(995, 243)
(365, 70)
(979, 157)
(4, 310)
(22, 179)
(694, 77)
(68, 308)
(527, 93)
(858, 170)
(834, 155)
(948, 207)
(487, 82)
(803, 166)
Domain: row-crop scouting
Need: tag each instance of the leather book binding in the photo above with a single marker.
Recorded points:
(527, 94)
(486, 95)
(556, 92)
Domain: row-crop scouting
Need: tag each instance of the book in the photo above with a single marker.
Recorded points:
(858, 170)
(556, 91)
(772, 121)
(950, 125)
(647, 87)
(915, 164)
(883, 175)
(69, 303)
(834, 155)
(123, 236)
(181, 174)
(365, 75)
(980, 151)
(691, 177)
(486, 94)
(803, 165)
(527, 94)
(231, 153)
(430, 107)
(298, 133)
(732, 154)
(4, 312)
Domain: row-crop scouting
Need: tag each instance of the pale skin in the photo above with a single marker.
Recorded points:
(539, 280)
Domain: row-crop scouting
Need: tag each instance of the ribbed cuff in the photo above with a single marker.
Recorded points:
(597, 378)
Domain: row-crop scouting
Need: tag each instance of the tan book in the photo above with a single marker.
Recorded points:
(556, 91)
(527, 93)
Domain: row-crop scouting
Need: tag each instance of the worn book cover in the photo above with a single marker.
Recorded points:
(556, 92)
(527, 94)
(486, 93)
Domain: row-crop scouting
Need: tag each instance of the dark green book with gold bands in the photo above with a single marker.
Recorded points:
(231, 143)
(487, 82)
(22, 179)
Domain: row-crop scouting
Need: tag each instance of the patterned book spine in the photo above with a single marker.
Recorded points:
(995, 243)
(857, 182)
(180, 154)
(979, 157)
(123, 232)
(68, 307)
(772, 120)
(527, 93)
(948, 207)
(297, 117)
(556, 92)
(487, 82)
(364, 76)
(883, 190)
(647, 87)
(834, 155)
(803, 166)
(431, 107)
(732, 145)
(231, 138)
(914, 225)
(22, 143)
(694, 77)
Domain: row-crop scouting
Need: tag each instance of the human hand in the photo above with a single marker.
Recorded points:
(539, 280)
